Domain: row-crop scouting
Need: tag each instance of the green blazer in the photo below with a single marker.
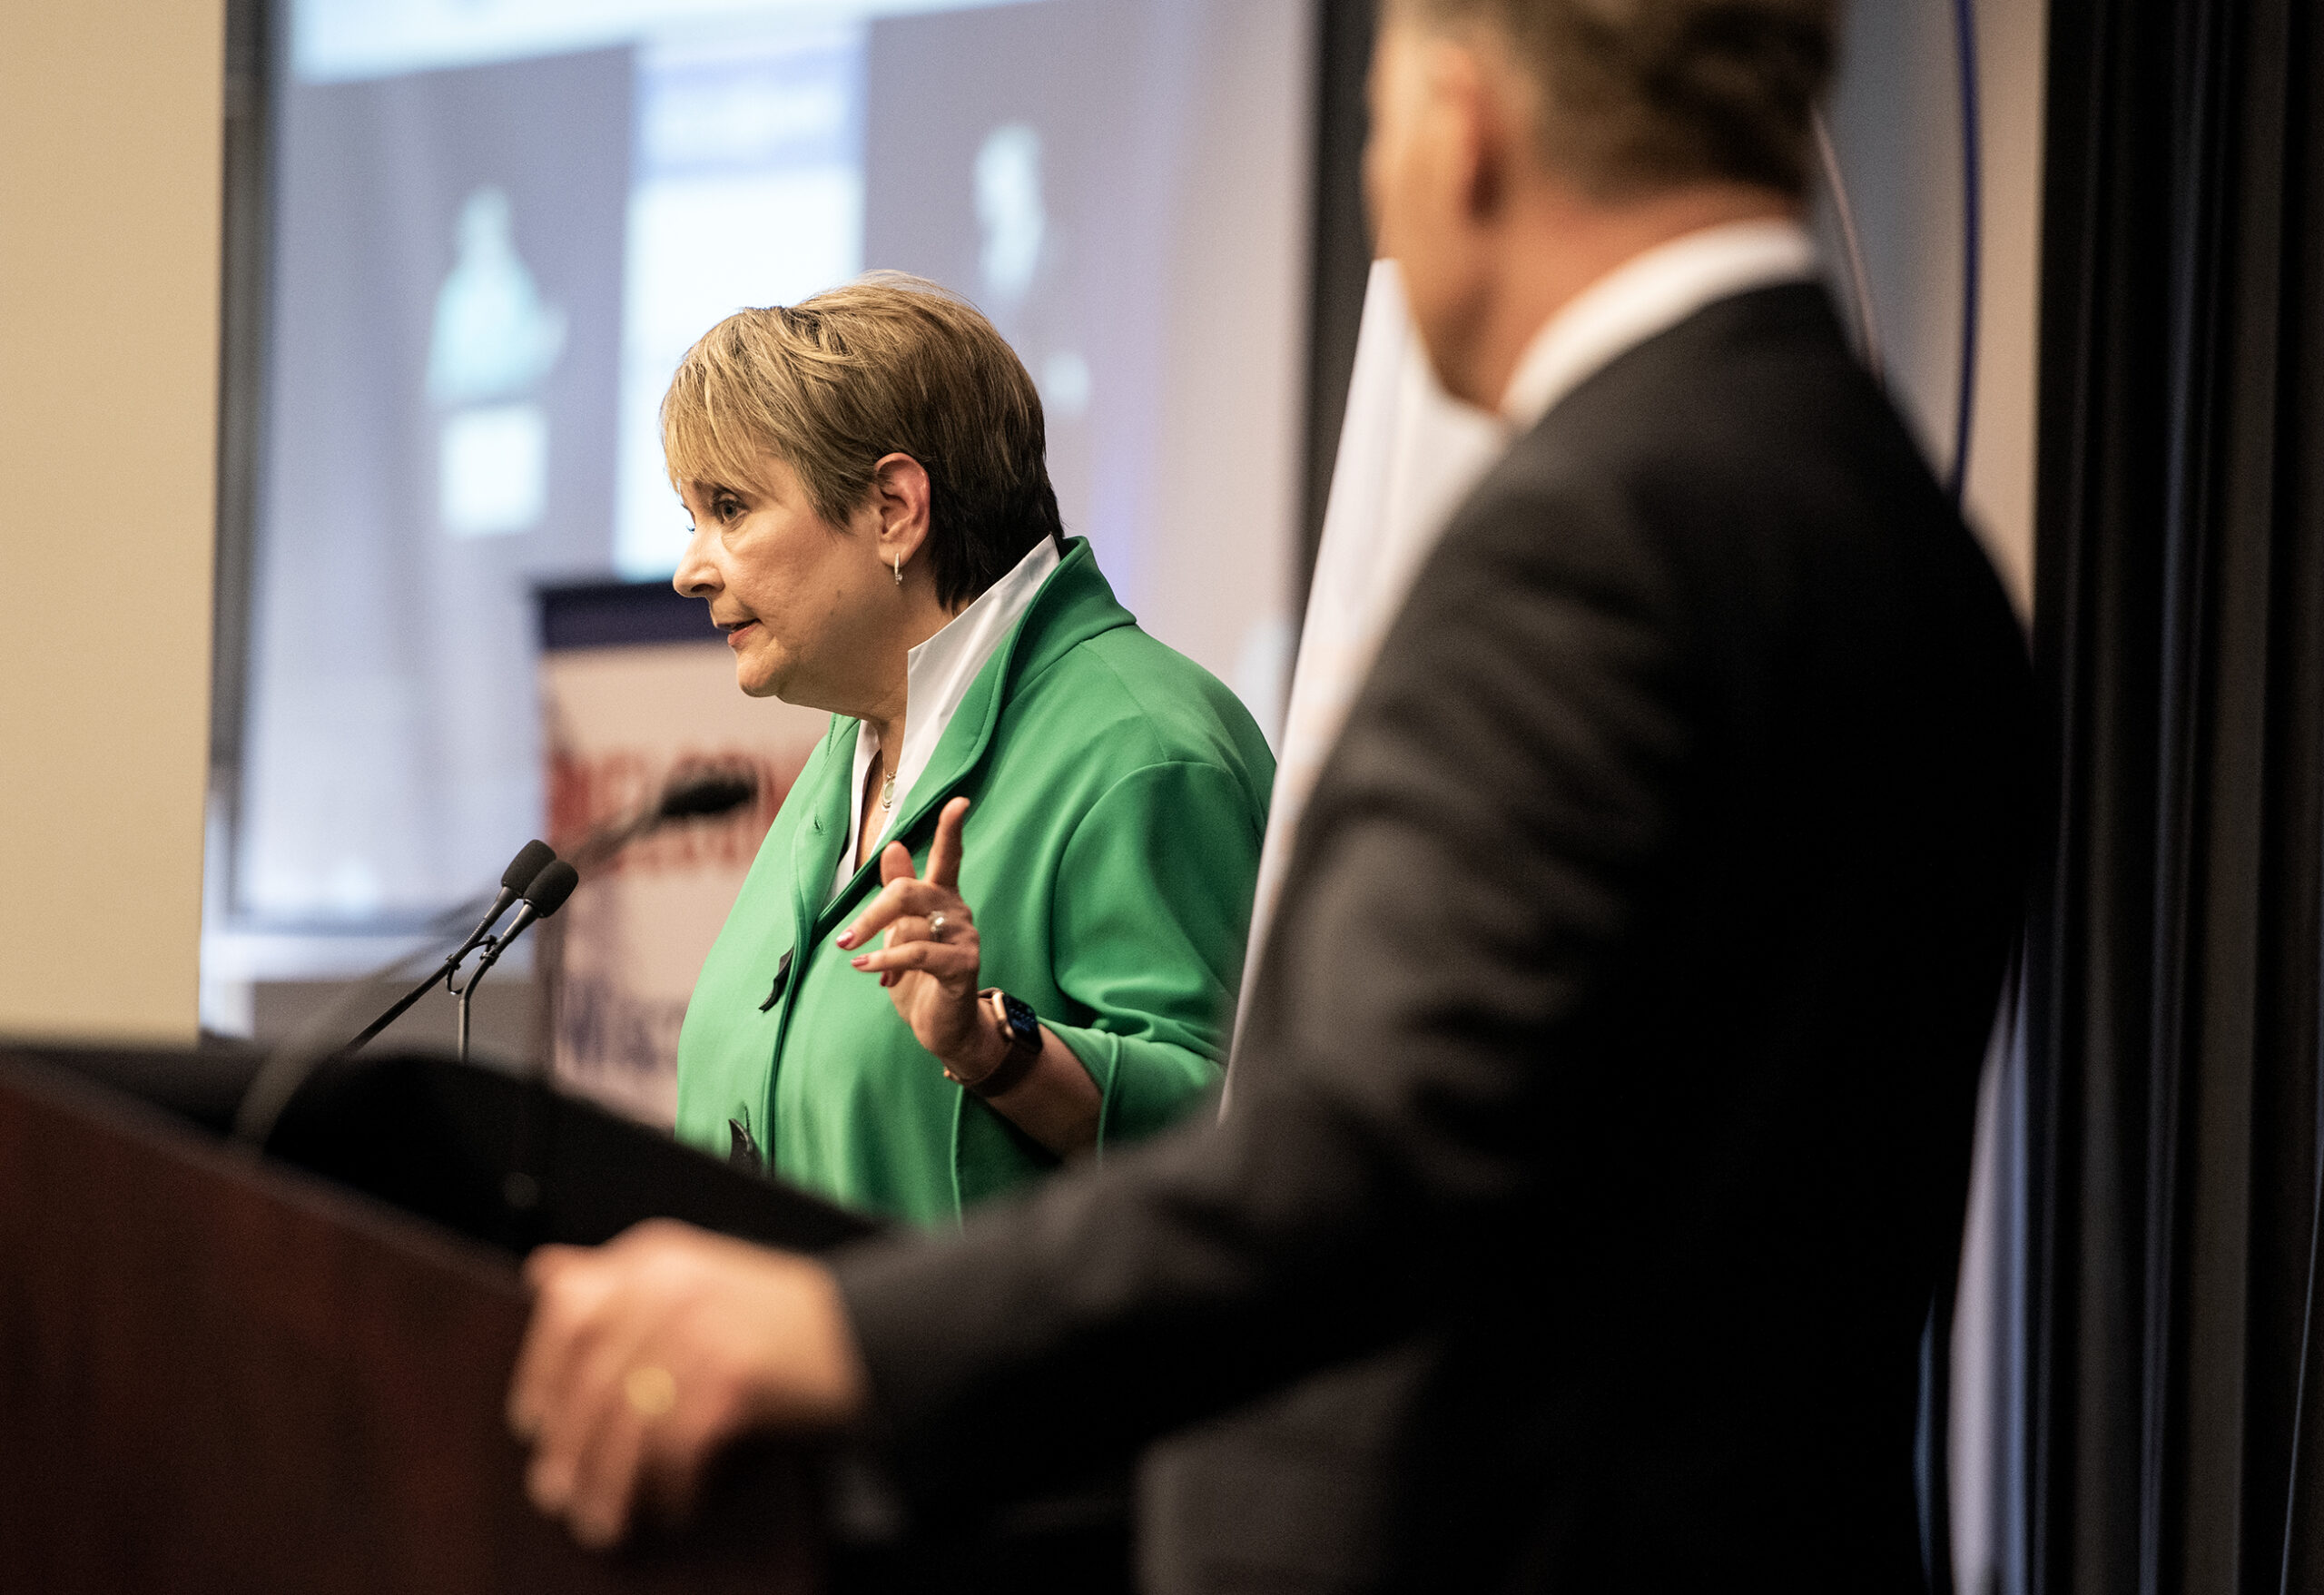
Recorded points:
(1120, 796)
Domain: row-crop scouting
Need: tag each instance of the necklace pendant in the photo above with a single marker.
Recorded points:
(888, 792)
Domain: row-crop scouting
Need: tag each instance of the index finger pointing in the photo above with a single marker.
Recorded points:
(944, 852)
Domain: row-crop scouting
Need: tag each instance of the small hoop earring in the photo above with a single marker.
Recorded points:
(900, 570)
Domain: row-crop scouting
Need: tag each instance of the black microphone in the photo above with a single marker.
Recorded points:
(528, 875)
(715, 791)
(698, 797)
(531, 860)
(543, 897)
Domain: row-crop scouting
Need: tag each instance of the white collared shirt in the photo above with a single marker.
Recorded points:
(937, 677)
(1645, 295)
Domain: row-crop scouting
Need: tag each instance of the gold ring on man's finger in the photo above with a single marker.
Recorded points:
(651, 1391)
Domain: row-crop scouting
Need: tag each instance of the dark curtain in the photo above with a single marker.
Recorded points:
(2174, 1438)
(1340, 264)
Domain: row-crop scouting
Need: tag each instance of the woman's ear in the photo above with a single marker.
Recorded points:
(898, 497)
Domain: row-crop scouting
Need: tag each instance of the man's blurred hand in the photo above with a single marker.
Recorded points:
(647, 1355)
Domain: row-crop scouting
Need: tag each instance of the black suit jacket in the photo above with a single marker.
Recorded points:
(1602, 1115)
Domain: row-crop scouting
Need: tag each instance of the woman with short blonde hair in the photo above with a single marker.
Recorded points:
(1001, 915)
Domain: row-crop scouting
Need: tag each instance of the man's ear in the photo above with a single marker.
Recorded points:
(900, 499)
(1487, 124)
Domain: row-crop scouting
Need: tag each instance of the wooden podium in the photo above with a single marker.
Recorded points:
(220, 1372)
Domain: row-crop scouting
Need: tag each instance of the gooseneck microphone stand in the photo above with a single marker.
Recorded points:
(522, 870)
(286, 1068)
(544, 895)
(536, 882)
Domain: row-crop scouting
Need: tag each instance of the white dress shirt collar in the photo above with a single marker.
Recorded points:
(937, 677)
(1647, 294)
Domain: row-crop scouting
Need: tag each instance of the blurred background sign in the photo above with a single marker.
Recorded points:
(637, 692)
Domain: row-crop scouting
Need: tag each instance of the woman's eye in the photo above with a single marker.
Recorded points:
(726, 508)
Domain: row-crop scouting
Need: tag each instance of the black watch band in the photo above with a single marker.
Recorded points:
(1023, 1028)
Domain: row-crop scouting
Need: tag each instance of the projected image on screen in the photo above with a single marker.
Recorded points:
(748, 190)
(500, 224)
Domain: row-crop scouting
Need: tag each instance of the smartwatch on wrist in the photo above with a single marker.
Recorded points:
(1021, 1028)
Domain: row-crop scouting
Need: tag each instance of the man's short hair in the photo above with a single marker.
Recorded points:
(888, 364)
(1636, 95)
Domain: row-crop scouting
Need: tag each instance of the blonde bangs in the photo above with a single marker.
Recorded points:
(714, 427)
(887, 364)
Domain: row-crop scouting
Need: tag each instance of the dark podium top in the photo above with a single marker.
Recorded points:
(223, 1371)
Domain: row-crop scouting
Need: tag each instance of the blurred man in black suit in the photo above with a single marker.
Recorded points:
(1601, 1119)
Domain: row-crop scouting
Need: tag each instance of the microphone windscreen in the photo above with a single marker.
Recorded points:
(716, 791)
(530, 862)
(551, 886)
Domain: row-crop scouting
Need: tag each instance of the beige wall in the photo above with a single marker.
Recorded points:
(1894, 117)
(109, 209)
(2013, 35)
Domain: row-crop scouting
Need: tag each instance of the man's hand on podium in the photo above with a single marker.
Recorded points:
(648, 1354)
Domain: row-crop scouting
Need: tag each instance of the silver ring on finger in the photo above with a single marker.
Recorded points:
(936, 923)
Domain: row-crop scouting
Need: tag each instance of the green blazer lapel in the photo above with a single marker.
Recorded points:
(956, 755)
(1073, 606)
(822, 835)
